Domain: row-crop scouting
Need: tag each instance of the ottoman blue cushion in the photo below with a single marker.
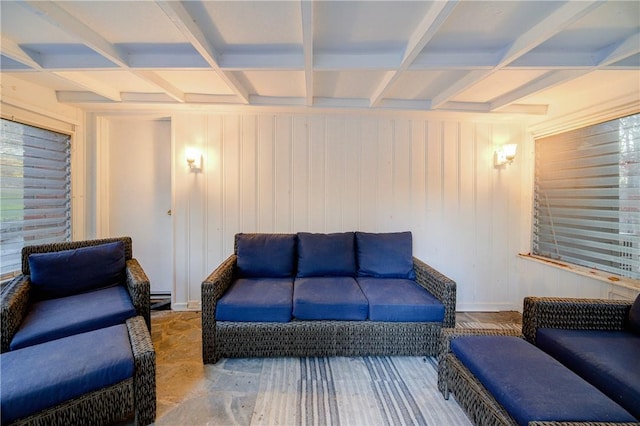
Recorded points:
(266, 255)
(45, 375)
(63, 273)
(385, 255)
(56, 318)
(335, 298)
(532, 385)
(257, 299)
(610, 360)
(326, 255)
(396, 299)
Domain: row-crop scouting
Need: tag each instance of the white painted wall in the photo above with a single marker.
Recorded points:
(331, 173)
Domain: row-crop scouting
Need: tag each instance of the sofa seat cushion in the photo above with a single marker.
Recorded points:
(57, 318)
(67, 272)
(45, 375)
(326, 255)
(531, 385)
(385, 255)
(257, 299)
(329, 298)
(610, 360)
(266, 255)
(396, 299)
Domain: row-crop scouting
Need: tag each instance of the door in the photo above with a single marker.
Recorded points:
(139, 203)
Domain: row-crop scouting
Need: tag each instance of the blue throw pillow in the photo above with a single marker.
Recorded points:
(634, 315)
(266, 255)
(385, 255)
(322, 255)
(68, 272)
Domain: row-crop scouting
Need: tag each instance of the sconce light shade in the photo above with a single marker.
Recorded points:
(194, 159)
(505, 155)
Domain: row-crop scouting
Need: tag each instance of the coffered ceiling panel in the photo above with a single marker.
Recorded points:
(477, 56)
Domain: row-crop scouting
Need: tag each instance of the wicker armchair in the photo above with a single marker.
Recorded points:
(16, 295)
(569, 313)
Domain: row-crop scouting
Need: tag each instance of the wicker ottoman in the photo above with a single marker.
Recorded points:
(98, 377)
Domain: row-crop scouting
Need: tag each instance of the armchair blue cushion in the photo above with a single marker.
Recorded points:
(56, 318)
(68, 272)
(323, 255)
(385, 255)
(266, 255)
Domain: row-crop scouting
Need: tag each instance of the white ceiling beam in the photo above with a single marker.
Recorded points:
(555, 22)
(610, 55)
(71, 25)
(12, 50)
(167, 87)
(355, 61)
(89, 83)
(424, 32)
(237, 61)
(306, 7)
(60, 18)
(193, 33)
(440, 60)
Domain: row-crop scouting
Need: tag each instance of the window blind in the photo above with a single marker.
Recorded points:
(587, 197)
(35, 187)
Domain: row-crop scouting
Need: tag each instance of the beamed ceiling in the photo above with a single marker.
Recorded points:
(472, 56)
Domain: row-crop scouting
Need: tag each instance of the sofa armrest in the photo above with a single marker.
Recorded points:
(212, 289)
(444, 347)
(139, 289)
(573, 313)
(441, 286)
(144, 376)
(14, 304)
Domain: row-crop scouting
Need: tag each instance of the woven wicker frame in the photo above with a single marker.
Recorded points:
(226, 339)
(16, 295)
(132, 398)
(570, 313)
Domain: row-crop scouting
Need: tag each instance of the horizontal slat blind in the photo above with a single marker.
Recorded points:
(587, 197)
(35, 190)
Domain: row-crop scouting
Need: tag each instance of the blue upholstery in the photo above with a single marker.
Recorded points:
(531, 385)
(330, 298)
(56, 318)
(257, 299)
(634, 316)
(397, 299)
(45, 375)
(67, 272)
(385, 255)
(326, 255)
(610, 360)
(266, 255)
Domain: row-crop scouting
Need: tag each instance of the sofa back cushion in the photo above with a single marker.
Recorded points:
(323, 255)
(266, 255)
(634, 316)
(68, 272)
(385, 255)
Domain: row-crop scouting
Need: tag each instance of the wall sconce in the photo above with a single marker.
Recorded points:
(194, 159)
(505, 155)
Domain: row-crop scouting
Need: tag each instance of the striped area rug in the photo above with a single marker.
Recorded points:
(353, 391)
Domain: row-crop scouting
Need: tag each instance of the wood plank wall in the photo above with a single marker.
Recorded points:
(333, 173)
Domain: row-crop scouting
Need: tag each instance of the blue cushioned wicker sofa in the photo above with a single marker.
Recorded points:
(577, 360)
(310, 294)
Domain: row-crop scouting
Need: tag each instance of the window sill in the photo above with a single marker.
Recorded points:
(587, 272)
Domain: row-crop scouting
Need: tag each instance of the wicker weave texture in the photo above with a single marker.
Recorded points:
(319, 338)
(13, 308)
(570, 313)
(134, 397)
